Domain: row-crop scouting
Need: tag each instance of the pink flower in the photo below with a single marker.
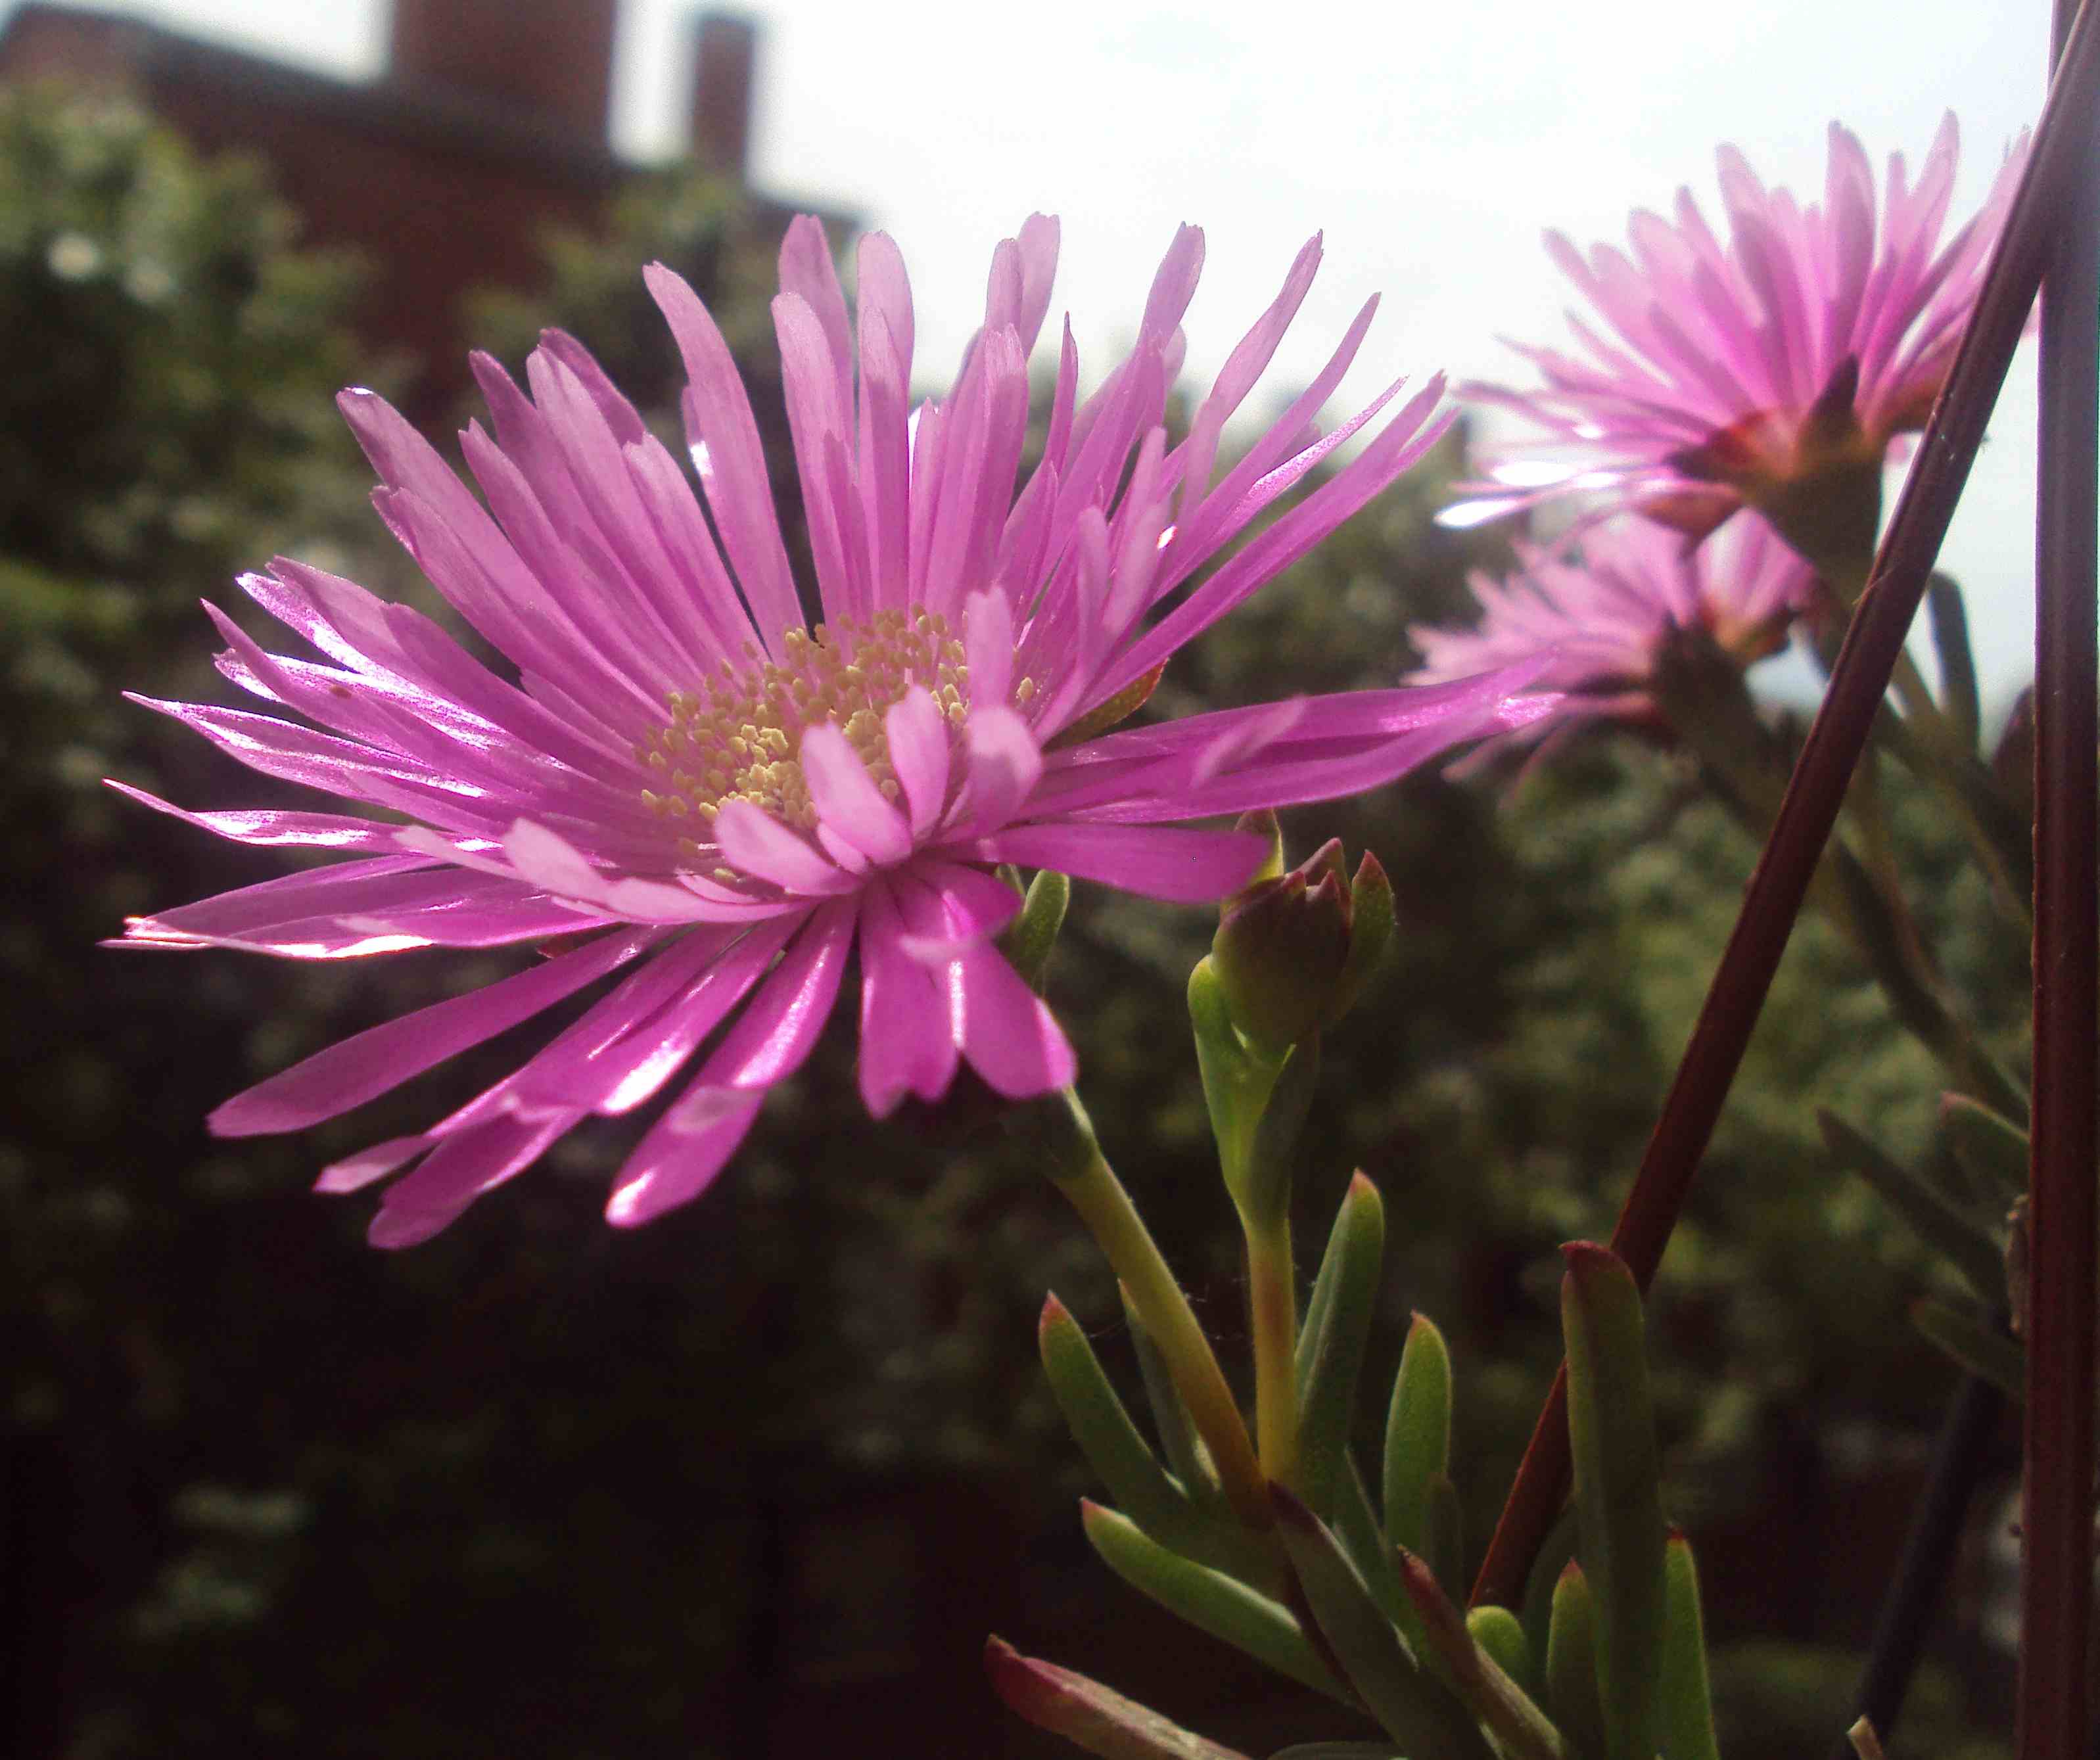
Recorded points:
(1596, 615)
(1723, 375)
(718, 802)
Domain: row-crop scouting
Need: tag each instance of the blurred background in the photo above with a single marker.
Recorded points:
(757, 1479)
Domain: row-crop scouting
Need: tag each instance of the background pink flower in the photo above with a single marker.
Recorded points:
(723, 800)
(1595, 613)
(1817, 334)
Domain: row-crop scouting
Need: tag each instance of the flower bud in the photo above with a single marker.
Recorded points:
(1293, 948)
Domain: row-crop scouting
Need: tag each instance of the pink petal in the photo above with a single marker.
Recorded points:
(1180, 866)
(755, 842)
(919, 753)
(358, 1069)
(846, 797)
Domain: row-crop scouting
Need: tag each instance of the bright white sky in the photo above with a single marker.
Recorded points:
(1433, 142)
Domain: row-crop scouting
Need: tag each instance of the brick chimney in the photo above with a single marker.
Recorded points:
(549, 62)
(724, 47)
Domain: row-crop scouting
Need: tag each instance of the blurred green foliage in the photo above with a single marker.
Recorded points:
(771, 1467)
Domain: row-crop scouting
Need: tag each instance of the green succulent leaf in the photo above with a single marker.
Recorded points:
(1957, 1236)
(1492, 1693)
(1976, 1343)
(1088, 1714)
(1500, 1634)
(1211, 1601)
(1991, 1149)
(1333, 1358)
(1115, 1449)
(1176, 1430)
(1415, 1711)
(1571, 1665)
(1445, 1540)
(1618, 1499)
(1687, 1701)
(1957, 663)
(1418, 1434)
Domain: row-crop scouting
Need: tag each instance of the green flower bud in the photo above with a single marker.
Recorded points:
(1294, 949)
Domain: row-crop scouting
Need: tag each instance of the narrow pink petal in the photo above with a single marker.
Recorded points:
(730, 456)
(457, 1171)
(906, 1046)
(918, 733)
(807, 270)
(353, 1070)
(988, 645)
(1008, 1035)
(756, 843)
(270, 829)
(845, 795)
(1159, 862)
(711, 980)
(1038, 240)
(1011, 1038)
(1004, 762)
(353, 1173)
(672, 1167)
(779, 1028)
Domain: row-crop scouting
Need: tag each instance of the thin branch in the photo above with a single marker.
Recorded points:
(2054, 1720)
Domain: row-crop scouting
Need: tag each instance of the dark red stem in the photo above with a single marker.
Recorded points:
(2063, 143)
(2054, 1716)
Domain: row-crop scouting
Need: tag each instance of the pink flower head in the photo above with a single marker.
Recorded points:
(1597, 614)
(1723, 375)
(718, 801)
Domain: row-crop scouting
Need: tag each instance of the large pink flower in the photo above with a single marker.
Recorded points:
(726, 800)
(1813, 338)
(1598, 613)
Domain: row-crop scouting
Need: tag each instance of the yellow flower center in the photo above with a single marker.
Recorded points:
(739, 737)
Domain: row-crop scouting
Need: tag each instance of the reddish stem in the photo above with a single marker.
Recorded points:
(2054, 1717)
(2063, 141)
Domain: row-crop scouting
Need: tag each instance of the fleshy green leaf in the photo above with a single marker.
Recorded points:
(1571, 1666)
(1184, 1448)
(1089, 1714)
(1500, 1634)
(1991, 1149)
(1957, 1237)
(1958, 664)
(1417, 1435)
(1979, 1347)
(1446, 1538)
(1493, 1695)
(1554, 1558)
(1687, 1703)
(1211, 1601)
(1328, 1386)
(1618, 1500)
(1114, 1447)
(1357, 1526)
(1416, 1711)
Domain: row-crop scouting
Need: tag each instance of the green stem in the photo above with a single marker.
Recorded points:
(1944, 759)
(1272, 1305)
(1105, 1208)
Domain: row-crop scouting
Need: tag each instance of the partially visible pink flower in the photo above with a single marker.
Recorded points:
(1720, 373)
(696, 790)
(1597, 614)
